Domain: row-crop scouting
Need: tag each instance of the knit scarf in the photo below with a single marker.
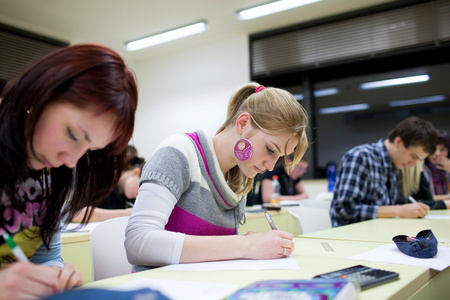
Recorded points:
(439, 177)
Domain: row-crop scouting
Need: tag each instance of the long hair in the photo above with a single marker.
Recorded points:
(273, 110)
(86, 75)
(410, 179)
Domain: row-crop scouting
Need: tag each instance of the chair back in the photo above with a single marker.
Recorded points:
(326, 196)
(310, 219)
(109, 258)
(324, 204)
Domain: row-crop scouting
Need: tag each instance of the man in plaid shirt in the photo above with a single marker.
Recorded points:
(366, 186)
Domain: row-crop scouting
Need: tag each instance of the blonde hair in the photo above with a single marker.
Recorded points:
(273, 110)
(410, 179)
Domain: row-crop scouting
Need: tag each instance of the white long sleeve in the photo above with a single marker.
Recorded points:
(146, 241)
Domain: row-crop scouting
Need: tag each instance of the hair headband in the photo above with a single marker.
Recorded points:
(259, 88)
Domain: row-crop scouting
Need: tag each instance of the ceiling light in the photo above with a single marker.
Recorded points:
(166, 36)
(395, 81)
(422, 100)
(271, 8)
(326, 92)
(344, 108)
(298, 97)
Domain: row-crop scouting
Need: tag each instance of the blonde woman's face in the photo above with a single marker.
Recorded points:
(65, 132)
(267, 149)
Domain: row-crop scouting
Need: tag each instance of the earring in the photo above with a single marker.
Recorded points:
(243, 149)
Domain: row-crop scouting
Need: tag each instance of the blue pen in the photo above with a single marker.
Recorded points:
(18, 253)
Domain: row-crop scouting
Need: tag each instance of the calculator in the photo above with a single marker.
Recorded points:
(365, 276)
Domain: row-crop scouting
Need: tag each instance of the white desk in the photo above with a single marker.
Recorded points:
(256, 221)
(383, 230)
(312, 260)
(76, 248)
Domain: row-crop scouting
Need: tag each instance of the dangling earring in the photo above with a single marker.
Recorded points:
(243, 149)
(28, 109)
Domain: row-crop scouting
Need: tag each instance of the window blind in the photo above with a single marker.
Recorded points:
(18, 51)
(368, 35)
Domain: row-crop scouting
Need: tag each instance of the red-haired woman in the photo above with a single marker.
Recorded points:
(65, 124)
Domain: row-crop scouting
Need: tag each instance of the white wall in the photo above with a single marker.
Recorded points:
(187, 90)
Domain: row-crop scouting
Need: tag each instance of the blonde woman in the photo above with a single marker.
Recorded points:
(413, 183)
(191, 197)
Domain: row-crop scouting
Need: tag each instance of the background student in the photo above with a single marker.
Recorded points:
(119, 203)
(413, 183)
(437, 168)
(190, 201)
(64, 127)
(291, 186)
(366, 186)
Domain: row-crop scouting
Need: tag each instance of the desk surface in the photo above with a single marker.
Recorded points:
(75, 237)
(312, 259)
(383, 230)
(256, 221)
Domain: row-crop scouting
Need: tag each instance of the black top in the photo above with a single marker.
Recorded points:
(287, 185)
(116, 201)
(423, 195)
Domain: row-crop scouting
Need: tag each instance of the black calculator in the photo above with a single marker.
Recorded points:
(365, 276)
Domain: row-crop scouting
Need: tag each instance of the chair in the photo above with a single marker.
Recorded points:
(109, 258)
(324, 196)
(323, 204)
(310, 219)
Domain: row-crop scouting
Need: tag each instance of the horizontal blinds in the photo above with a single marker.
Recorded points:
(17, 52)
(423, 24)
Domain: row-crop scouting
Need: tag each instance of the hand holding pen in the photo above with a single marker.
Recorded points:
(273, 227)
(23, 279)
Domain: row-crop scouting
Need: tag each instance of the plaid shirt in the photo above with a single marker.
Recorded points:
(366, 179)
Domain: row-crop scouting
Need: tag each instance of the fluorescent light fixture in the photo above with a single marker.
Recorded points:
(326, 92)
(319, 93)
(166, 36)
(271, 8)
(416, 101)
(395, 81)
(344, 108)
(298, 97)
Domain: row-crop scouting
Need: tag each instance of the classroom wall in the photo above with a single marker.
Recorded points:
(186, 90)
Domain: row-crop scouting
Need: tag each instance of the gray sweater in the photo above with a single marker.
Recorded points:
(179, 194)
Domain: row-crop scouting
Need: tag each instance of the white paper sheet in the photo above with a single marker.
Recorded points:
(75, 227)
(390, 254)
(443, 217)
(287, 263)
(182, 290)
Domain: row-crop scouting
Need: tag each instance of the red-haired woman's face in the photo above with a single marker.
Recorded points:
(65, 132)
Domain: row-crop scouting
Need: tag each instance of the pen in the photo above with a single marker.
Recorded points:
(18, 253)
(269, 219)
(412, 199)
